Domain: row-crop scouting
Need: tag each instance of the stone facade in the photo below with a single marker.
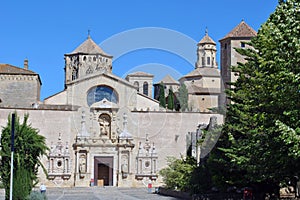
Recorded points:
(88, 152)
(142, 81)
(204, 82)
(103, 130)
(19, 88)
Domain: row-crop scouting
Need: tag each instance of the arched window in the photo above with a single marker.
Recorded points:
(74, 73)
(203, 60)
(136, 84)
(208, 60)
(145, 88)
(101, 92)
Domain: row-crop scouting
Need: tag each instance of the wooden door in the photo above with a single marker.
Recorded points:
(103, 172)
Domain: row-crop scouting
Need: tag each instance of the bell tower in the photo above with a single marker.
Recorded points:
(238, 37)
(87, 59)
(206, 53)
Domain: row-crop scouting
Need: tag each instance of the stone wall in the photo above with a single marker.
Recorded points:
(166, 130)
(19, 90)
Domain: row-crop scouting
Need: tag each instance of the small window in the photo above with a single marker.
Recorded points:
(74, 73)
(243, 44)
(59, 163)
(145, 88)
(225, 46)
(203, 60)
(136, 84)
(208, 60)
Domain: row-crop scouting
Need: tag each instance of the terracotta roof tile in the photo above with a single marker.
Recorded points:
(207, 40)
(204, 71)
(10, 69)
(140, 74)
(194, 89)
(168, 80)
(89, 47)
(241, 30)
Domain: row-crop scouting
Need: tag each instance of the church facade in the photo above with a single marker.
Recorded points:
(103, 130)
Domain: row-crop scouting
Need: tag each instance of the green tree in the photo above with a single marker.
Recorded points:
(29, 148)
(170, 100)
(183, 97)
(179, 173)
(162, 98)
(261, 134)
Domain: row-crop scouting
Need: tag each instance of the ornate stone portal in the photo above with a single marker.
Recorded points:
(146, 161)
(103, 155)
(59, 163)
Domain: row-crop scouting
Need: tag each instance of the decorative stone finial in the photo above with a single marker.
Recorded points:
(125, 134)
(125, 121)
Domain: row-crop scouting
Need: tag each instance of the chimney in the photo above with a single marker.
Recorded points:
(26, 63)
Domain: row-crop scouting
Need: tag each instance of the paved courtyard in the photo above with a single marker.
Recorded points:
(105, 193)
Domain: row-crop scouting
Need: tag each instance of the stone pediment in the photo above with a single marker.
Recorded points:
(104, 104)
(102, 74)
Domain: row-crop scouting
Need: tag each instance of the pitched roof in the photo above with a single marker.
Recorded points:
(241, 30)
(169, 80)
(207, 40)
(10, 69)
(204, 71)
(140, 74)
(89, 47)
(194, 89)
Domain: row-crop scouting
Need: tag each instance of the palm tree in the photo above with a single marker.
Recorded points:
(29, 148)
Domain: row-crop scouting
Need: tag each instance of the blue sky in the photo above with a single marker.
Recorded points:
(43, 31)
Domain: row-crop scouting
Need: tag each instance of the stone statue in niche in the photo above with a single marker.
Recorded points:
(82, 163)
(124, 166)
(104, 122)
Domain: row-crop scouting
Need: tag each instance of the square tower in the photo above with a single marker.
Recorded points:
(236, 38)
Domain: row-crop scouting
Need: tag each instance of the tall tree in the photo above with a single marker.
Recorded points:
(183, 97)
(29, 147)
(162, 97)
(261, 134)
(171, 99)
